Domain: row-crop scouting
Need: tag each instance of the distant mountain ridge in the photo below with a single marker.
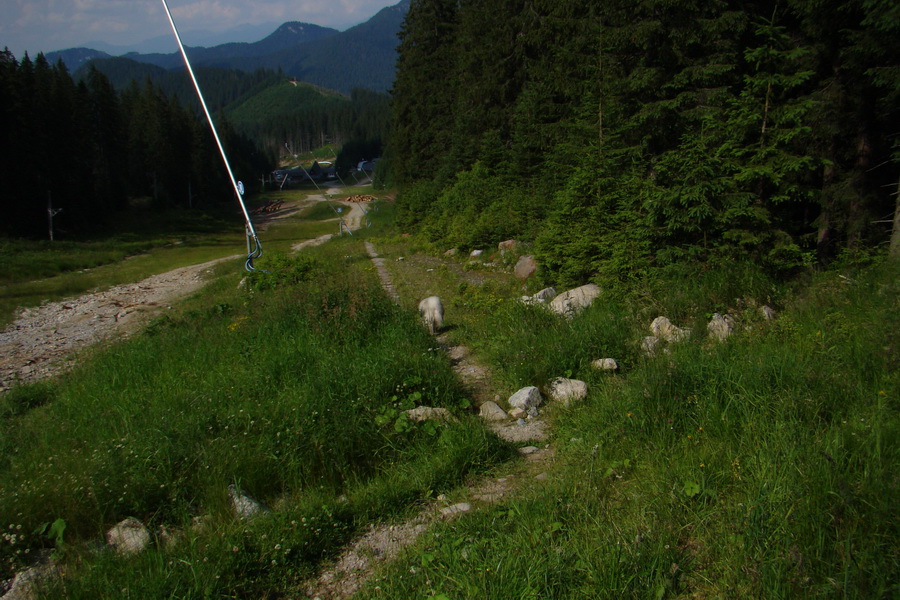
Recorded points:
(363, 56)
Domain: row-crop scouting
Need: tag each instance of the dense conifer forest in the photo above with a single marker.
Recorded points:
(88, 152)
(91, 145)
(621, 137)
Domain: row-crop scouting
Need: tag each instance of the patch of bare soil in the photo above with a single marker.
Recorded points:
(42, 339)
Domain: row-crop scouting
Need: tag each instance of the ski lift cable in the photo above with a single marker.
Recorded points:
(254, 247)
(327, 201)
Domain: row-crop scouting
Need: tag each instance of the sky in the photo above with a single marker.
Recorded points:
(49, 25)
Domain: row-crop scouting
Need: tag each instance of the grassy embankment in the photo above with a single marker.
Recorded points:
(292, 392)
(763, 467)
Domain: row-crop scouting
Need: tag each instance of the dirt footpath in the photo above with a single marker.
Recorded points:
(40, 340)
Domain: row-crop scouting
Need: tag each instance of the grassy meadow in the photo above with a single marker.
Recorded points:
(292, 390)
(762, 467)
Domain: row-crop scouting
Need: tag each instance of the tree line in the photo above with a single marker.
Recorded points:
(624, 136)
(89, 152)
(280, 118)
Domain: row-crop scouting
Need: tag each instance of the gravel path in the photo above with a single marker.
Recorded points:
(43, 340)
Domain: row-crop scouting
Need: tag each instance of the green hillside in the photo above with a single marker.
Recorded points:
(281, 100)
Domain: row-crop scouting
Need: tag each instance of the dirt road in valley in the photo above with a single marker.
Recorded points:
(43, 341)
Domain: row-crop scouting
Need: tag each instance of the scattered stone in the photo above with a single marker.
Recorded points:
(128, 536)
(476, 253)
(167, 538)
(491, 411)
(517, 413)
(576, 300)
(528, 450)
(428, 413)
(720, 327)
(456, 509)
(605, 364)
(451, 252)
(664, 329)
(533, 412)
(567, 390)
(244, 506)
(26, 585)
(525, 267)
(507, 245)
(527, 397)
(541, 476)
(767, 313)
(542, 297)
(521, 423)
(650, 345)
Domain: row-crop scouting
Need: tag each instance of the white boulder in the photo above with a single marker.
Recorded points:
(526, 398)
(664, 329)
(567, 390)
(720, 327)
(605, 364)
(576, 300)
(128, 536)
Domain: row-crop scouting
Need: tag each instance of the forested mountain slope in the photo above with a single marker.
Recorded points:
(363, 56)
(623, 138)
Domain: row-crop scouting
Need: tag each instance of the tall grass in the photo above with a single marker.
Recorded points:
(294, 395)
(764, 467)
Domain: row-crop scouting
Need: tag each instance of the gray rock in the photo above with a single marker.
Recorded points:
(576, 300)
(650, 345)
(517, 413)
(476, 253)
(244, 505)
(528, 450)
(542, 297)
(27, 584)
(451, 252)
(527, 397)
(767, 313)
(461, 507)
(720, 327)
(128, 536)
(567, 390)
(507, 245)
(491, 411)
(664, 329)
(428, 413)
(525, 267)
(605, 364)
